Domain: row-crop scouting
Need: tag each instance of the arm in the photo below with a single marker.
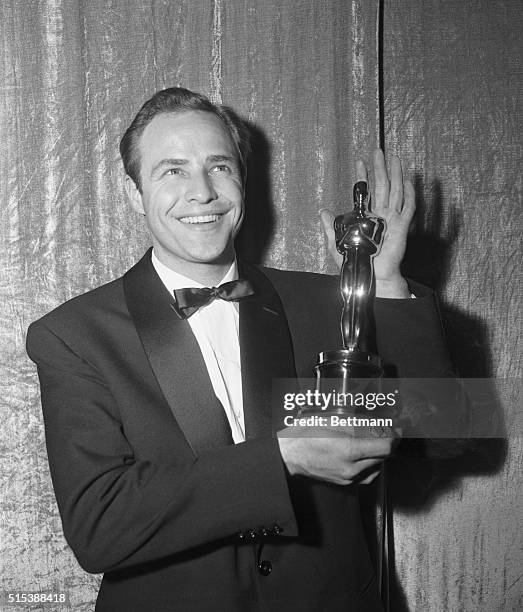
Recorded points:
(119, 509)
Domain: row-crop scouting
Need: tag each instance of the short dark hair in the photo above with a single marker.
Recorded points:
(176, 100)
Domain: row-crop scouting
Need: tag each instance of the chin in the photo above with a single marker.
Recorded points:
(215, 253)
(215, 261)
(216, 257)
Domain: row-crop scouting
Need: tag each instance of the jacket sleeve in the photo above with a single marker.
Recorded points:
(436, 414)
(410, 335)
(118, 509)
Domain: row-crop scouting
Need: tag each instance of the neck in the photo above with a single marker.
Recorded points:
(208, 274)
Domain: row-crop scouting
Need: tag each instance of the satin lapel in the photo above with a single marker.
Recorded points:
(266, 350)
(175, 358)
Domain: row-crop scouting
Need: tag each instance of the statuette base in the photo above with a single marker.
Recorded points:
(348, 367)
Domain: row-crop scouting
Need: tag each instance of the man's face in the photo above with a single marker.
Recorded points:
(192, 192)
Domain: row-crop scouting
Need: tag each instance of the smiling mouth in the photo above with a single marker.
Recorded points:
(200, 219)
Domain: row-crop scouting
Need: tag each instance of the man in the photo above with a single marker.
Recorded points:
(158, 416)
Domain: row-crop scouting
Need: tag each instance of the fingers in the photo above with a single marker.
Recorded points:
(409, 201)
(361, 171)
(357, 472)
(327, 219)
(394, 193)
(364, 449)
(354, 449)
(396, 185)
(381, 180)
(340, 459)
(370, 477)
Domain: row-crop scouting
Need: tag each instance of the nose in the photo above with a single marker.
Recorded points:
(200, 189)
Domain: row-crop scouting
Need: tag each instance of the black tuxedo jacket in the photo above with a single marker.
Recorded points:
(150, 488)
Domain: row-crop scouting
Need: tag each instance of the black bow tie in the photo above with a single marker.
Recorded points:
(190, 299)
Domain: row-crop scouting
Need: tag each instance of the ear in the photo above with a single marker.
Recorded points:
(134, 195)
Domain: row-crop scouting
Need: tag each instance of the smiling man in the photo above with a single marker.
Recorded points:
(190, 189)
(156, 393)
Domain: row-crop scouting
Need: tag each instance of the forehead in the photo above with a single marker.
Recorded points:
(185, 134)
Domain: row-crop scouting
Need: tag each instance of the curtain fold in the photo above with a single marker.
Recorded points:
(452, 85)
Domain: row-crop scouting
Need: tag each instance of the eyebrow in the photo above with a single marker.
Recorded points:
(220, 158)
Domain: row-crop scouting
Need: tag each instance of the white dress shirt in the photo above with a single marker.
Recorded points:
(216, 328)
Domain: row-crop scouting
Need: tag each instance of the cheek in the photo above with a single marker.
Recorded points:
(230, 188)
(165, 198)
(165, 205)
(238, 216)
(238, 196)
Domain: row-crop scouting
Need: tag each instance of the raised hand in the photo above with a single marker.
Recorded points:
(394, 201)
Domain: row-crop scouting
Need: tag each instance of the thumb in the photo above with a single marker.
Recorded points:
(327, 219)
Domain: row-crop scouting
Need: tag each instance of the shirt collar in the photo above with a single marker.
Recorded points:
(174, 280)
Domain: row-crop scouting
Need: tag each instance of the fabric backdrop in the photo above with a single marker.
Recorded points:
(306, 74)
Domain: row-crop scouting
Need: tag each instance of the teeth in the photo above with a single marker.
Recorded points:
(200, 219)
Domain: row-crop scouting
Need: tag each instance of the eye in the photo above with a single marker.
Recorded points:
(173, 171)
(221, 168)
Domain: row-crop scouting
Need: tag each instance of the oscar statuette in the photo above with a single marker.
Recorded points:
(358, 236)
(356, 368)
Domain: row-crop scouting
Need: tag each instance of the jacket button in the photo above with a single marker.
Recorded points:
(265, 568)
